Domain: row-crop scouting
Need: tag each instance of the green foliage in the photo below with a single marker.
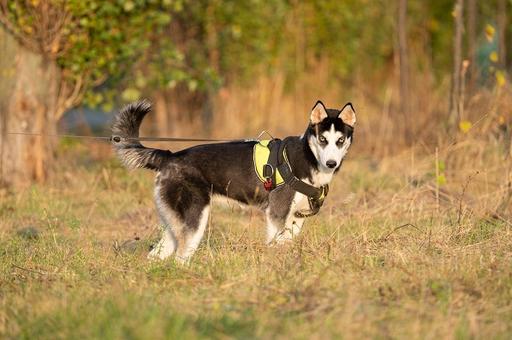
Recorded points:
(133, 47)
(98, 41)
(340, 31)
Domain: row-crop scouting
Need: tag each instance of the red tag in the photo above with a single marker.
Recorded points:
(268, 184)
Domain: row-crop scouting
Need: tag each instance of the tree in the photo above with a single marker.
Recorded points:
(455, 95)
(502, 31)
(215, 42)
(472, 24)
(58, 52)
(404, 65)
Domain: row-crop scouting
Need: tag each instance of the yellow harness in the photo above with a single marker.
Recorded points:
(273, 169)
(261, 153)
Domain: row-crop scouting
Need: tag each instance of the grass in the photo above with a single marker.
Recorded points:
(393, 254)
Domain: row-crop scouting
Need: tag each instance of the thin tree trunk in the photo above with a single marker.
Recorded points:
(214, 61)
(457, 64)
(404, 66)
(27, 102)
(502, 29)
(161, 115)
(471, 22)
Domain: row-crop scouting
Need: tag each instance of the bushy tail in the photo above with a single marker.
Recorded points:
(131, 152)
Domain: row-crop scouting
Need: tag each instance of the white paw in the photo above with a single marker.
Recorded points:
(160, 252)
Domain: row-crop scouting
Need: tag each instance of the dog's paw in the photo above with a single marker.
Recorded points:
(159, 253)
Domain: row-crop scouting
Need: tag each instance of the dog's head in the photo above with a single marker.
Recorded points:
(329, 134)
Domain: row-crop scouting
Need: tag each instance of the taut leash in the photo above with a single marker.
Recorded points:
(118, 139)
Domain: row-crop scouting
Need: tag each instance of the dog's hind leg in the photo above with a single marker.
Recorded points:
(192, 236)
(180, 236)
(168, 243)
(183, 200)
(165, 247)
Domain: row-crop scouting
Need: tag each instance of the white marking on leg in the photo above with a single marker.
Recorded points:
(192, 241)
(168, 243)
(293, 224)
(165, 247)
(272, 228)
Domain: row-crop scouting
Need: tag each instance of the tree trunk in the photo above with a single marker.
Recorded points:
(161, 115)
(404, 67)
(28, 99)
(502, 29)
(471, 22)
(457, 64)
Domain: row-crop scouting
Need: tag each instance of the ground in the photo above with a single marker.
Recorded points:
(417, 245)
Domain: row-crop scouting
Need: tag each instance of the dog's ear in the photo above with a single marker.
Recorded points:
(348, 114)
(318, 113)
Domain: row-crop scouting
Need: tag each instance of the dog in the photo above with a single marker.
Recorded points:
(288, 186)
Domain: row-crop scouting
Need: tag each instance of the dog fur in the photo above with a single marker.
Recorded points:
(186, 180)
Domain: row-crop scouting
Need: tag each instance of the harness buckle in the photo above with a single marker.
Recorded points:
(268, 173)
(268, 170)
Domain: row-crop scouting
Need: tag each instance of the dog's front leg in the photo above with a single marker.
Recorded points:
(274, 225)
(291, 229)
(281, 223)
(292, 224)
(281, 230)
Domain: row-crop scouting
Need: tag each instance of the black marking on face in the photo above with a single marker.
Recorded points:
(325, 125)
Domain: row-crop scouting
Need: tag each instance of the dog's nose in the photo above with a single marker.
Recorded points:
(331, 163)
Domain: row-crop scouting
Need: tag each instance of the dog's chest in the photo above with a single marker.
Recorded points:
(300, 201)
(320, 178)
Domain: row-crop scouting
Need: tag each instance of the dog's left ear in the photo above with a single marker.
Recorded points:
(348, 114)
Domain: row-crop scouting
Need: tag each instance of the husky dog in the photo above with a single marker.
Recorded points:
(186, 180)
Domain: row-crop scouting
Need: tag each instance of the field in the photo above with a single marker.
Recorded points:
(407, 247)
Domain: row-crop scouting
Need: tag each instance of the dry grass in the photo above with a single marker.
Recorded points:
(395, 253)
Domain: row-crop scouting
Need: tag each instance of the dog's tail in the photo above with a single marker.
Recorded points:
(131, 152)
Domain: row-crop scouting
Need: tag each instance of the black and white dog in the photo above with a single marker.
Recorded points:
(187, 179)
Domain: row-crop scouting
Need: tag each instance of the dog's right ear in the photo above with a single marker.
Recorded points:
(318, 113)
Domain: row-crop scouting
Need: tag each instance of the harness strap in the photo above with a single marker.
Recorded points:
(293, 181)
(315, 195)
(270, 169)
(298, 185)
(278, 164)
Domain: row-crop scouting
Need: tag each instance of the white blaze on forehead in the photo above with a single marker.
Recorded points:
(331, 150)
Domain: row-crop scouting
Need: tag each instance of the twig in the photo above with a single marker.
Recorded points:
(398, 228)
(437, 180)
(459, 217)
(29, 270)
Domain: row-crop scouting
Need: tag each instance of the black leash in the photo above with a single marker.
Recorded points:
(118, 139)
(278, 160)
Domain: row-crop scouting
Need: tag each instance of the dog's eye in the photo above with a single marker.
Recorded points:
(322, 140)
(340, 141)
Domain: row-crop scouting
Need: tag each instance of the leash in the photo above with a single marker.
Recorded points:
(118, 139)
(278, 160)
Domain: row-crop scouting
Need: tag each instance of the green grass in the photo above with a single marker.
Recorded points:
(357, 270)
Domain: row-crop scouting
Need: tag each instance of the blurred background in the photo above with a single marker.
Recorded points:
(421, 74)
